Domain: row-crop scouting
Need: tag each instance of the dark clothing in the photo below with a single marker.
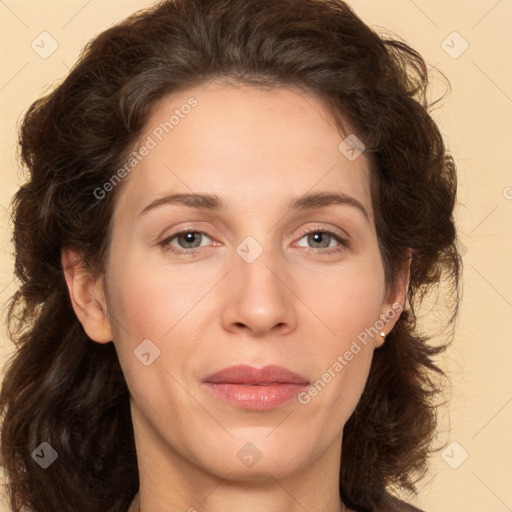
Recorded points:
(392, 504)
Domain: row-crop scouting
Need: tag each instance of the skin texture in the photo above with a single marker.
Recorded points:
(293, 306)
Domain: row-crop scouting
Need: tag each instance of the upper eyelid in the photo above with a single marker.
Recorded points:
(317, 227)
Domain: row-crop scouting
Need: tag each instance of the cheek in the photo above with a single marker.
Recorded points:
(150, 332)
(347, 298)
(151, 301)
(348, 302)
(159, 314)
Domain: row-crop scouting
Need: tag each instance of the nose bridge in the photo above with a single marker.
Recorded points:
(258, 265)
(259, 299)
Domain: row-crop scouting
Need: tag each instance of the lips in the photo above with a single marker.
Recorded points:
(257, 389)
(248, 375)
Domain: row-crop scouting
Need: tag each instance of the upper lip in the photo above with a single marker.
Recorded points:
(243, 374)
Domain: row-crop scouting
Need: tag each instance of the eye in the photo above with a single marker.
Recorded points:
(321, 238)
(188, 240)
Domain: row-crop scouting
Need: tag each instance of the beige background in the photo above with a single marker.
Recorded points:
(476, 123)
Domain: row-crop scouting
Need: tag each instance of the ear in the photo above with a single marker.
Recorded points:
(394, 302)
(87, 294)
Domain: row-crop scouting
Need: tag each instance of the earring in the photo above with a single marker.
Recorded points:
(383, 334)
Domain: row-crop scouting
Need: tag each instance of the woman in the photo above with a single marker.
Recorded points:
(274, 363)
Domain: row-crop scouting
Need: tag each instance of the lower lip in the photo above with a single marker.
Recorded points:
(257, 398)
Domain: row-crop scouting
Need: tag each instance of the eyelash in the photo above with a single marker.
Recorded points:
(165, 244)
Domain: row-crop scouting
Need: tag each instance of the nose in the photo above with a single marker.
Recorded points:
(260, 299)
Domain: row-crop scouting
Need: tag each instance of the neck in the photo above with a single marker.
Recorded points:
(136, 507)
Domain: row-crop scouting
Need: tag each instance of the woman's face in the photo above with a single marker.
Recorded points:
(269, 282)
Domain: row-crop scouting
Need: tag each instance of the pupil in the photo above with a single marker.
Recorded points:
(188, 238)
(317, 238)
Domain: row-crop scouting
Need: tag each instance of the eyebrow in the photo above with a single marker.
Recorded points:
(216, 203)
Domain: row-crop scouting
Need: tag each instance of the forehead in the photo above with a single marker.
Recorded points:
(246, 144)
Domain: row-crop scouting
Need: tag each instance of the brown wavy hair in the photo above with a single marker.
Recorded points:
(65, 389)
